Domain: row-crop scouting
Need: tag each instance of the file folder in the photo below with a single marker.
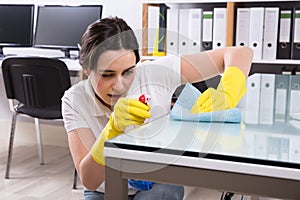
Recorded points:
(266, 108)
(172, 31)
(261, 144)
(284, 37)
(242, 27)
(294, 95)
(242, 106)
(195, 30)
(207, 30)
(281, 97)
(153, 25)
(273, 149)
(270, 33)
(256, 31)
(285, 149)
(219, 28)
(296, 41)
(160, 43)
(252, 99)
(183, 39)
(295, 149)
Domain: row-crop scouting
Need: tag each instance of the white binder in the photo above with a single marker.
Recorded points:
(295, 149)
(219, 28)
(256, 31)
(270, 33)
(242, 106)
(184, 21)
(252, 99)
(207, 30)
(267, 90)
(195, 30)
(285, 149)
(281, 95)
(153, 25)
(273, 148)
(172, 31)
(294, 95)
(261, 145)
(242, 27)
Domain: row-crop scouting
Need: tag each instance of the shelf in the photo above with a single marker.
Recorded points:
(229, 20)
(278, 61)
(207, 1)
(183, 2)
(149, 57)
(278, 66)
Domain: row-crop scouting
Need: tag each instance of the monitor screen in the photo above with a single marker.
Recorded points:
(61, 27)
(16, 25)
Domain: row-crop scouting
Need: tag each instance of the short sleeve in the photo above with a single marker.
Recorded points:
(72, 115)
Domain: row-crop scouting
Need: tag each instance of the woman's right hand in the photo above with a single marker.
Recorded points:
(127, 112)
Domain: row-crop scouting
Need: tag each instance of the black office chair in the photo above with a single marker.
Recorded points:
(35, 85)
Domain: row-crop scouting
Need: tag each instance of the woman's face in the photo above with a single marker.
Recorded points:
(114, 75)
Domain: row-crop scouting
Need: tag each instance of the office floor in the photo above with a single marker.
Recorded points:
(30, 180)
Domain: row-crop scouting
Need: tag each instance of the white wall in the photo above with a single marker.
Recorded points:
(129, 10)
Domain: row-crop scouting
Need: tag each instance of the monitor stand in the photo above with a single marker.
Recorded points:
(1, 53)
(66, 52)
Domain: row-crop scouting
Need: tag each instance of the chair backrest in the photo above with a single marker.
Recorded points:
(35, 81)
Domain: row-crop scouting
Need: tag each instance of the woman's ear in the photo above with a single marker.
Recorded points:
(86, 72)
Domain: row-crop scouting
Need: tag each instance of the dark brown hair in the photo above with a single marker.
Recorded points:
(105, 34)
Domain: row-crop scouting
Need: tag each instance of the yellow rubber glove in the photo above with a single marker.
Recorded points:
(230, 90)
(127, 112)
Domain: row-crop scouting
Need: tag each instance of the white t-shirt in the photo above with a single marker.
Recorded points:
(158, 78)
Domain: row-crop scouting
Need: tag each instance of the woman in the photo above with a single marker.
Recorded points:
(103, 105)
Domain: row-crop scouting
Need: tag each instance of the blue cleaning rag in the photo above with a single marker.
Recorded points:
(186, 100)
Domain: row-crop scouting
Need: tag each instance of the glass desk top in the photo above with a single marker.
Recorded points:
(274, 145)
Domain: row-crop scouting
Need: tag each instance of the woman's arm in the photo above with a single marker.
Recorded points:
(88, 152)
(90, 172)
(207, 64)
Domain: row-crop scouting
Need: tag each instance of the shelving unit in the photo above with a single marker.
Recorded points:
(259, 66)
(187, 4)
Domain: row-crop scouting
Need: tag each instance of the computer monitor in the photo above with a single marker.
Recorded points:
(16, 25)
(61, 27)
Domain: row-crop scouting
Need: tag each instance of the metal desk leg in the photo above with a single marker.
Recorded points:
(116, 187)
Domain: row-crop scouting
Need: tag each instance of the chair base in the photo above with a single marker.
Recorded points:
(75, 180)
(11, 143)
